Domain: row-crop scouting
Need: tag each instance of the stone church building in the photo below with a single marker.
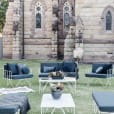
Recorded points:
(45, 29)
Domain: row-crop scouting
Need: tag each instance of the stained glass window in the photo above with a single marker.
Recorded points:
(38, 15)
(38, 20)
(66, 15)
(66, 19)
(108, 21)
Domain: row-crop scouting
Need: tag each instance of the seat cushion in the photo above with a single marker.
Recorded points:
(13, 68)
(71, 74)
(22, 76)
(104, 101)
(94, 75)
(43, 74)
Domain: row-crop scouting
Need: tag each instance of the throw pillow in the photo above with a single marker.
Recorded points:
(20, 67)
(99, 70)
(25, 70)
(13, 68)
(48, 69)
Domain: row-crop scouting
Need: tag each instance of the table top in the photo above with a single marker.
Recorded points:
(66, 100)
(66, 79)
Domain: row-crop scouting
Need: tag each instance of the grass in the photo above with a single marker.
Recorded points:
(83, 98)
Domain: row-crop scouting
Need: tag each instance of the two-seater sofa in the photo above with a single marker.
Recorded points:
(70, 68)
(101, 70)
(17, 71)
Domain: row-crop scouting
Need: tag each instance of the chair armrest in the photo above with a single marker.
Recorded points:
(8, 74)
(109, 73)
(31, 71)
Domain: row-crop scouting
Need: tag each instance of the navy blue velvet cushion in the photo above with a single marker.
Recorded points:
(68, 66)
(104, 101)
(99, 70)
(48, 69)
(20, 67)
(13, 68)
(25, 70)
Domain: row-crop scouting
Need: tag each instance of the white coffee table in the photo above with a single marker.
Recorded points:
(70, 81)
(65, 102)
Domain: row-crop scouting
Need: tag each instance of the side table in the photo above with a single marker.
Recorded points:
(66, 101)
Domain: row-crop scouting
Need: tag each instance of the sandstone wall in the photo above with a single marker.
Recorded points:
(8, 33)
(38, 41)
(98, 45)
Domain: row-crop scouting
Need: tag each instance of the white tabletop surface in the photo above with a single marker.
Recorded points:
(66, 79)
(66, 100)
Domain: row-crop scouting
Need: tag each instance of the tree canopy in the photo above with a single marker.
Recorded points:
(3, 9)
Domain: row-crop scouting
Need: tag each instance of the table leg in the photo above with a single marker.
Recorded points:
(75, 88)
(74, 110)
(39, 87)
(53, 111)
(41, 111)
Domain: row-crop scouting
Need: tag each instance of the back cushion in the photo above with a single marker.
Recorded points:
(106, 66)
(13, 68)
(68, 66)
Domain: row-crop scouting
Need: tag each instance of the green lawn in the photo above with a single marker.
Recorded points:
(83, 98)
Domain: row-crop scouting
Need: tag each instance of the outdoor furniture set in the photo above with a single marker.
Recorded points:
(18, 103)
(69, 70)
(20, 72)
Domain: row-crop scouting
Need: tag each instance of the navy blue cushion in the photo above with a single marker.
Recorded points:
(13, 68)
(68, 66)
(48, 69)
(99, 70)
(104, 101)
(43, 75)
(94, 75)
(22, 76)
(20, 101)
(20, 67)
(106, 66)
(8, 109)
(25, 70)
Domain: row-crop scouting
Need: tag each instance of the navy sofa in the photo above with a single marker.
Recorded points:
(104, 101)
(70, 68)
(14, 71)
(14, 104)
(100, 70)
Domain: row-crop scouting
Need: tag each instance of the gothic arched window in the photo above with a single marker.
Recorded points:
(66, 15)
(38, 20)
(108, 21)
(38, 15)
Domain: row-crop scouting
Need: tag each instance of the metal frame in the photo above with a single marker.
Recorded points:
(9, 79)
(108, 79)
(97, 111)
(53, 107)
